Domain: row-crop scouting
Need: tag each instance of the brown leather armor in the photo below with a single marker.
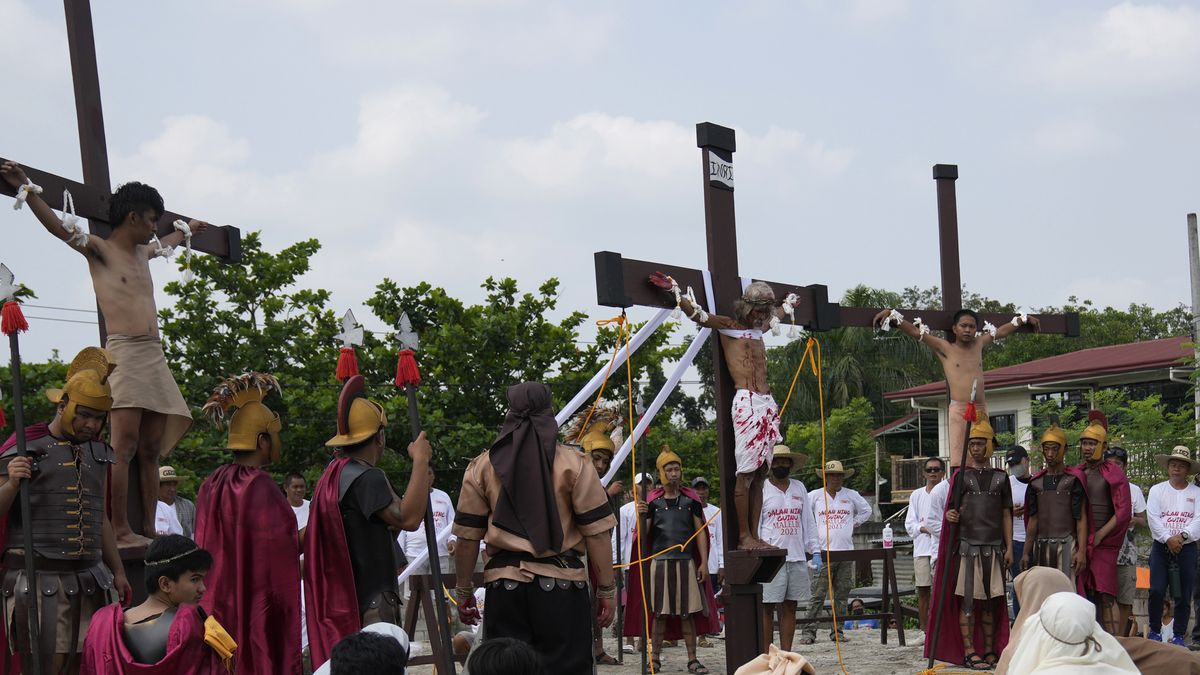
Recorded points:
(1099, 497)
(1054, 516)
(66, 498)
(982, 507)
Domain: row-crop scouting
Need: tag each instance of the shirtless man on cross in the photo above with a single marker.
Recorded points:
(961, 357)
(149, 415)
(755, 413)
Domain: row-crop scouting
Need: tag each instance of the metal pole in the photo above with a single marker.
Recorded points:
(1194, 267)
(447, 662)
(31, 596)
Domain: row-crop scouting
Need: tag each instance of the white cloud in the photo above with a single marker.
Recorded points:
(1129, 48)
(876, 11)
(789, 148)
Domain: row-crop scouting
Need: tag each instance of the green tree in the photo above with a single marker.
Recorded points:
(847, 438)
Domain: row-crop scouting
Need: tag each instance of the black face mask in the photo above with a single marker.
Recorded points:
(780, 472)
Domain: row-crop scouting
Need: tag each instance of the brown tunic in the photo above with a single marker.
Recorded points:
(583, 510)
(1099, 497)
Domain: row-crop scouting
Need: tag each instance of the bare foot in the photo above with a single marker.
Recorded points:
(131, 540)
(748, 542)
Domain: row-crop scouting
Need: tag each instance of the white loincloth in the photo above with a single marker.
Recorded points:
(755, 429)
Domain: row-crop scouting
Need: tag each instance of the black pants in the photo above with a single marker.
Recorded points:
(1159, 555)
(556, 623)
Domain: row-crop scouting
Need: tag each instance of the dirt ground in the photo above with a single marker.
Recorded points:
(861, 653)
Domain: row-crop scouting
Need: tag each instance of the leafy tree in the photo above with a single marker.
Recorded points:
(36, 378)
(847, 438)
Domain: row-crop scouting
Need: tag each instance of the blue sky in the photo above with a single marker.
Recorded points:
(445, 142)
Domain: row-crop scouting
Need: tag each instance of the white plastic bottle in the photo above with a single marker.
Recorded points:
(887, 535)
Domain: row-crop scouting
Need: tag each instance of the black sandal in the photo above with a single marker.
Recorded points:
(976, 662)
(694, 666)
(992, 658)
(603, 659)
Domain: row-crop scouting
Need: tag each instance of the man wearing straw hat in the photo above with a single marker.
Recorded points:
(168, 493)
(836, 510)
(1175, 526)
(787, 523)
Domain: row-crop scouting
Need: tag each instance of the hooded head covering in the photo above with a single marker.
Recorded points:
(1063, 637)
(523, 458)
(983, 429)
(1032, 587)
(1097, 430)
(665, 457)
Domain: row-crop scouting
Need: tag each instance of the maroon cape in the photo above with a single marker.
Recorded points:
(330, 599)
(1101, 572)
(244, 520)
(105, 653)
(705, 625)
(11, 663)
(949, 636)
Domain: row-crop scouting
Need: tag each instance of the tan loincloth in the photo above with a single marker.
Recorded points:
(674, 590)
(143, 380)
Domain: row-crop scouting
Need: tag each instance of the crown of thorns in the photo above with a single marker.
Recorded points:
(173, 558)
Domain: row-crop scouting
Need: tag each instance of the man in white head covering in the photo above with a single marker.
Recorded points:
(1064, 638)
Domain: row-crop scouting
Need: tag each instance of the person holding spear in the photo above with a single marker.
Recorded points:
(57, 533)
(350, 550)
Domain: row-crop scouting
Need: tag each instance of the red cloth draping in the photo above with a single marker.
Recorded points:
(330, 599)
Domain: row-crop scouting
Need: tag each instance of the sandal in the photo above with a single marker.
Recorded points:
(603, 659)
(656, 665)
(991, 658)
(807, 640)
(694, 666)
(976, 662)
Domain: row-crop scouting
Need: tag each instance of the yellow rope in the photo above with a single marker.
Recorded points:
(807, 353)
(637, 521)
(681, 547)
(620, 321)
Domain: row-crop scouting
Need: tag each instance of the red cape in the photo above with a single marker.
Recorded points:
(12, 662)
(1101, 572)
(330, 599)
(244, 520)
(105, 653)
(705, 625)
(949, 636)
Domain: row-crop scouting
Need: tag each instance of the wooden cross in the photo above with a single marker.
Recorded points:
(91, 197)
(623, 283)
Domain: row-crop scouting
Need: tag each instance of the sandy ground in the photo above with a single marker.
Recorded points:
(861, 653)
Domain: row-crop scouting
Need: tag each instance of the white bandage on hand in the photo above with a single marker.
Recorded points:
(892, 319)
(989, 329)
(1020, 320)
(23, 193)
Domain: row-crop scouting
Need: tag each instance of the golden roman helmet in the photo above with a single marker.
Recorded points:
(358, 418)
(252, 418)
(665, 457)
(983, 429)
(1097, 430)
(598, 433)
(87, 385)
(1055, 434)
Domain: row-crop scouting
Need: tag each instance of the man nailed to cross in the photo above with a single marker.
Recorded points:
(961, 356)
(755, 413)
(149, 415)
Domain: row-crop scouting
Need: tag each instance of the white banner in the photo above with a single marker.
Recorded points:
(719, 170)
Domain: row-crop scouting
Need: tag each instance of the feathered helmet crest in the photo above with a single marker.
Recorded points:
(598, 434)
(251, 418)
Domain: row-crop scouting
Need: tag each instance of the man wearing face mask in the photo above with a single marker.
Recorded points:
(76, 563)
(1017, 459)
(248, 526)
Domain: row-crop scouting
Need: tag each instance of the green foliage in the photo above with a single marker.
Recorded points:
(36, 378)
(847, 438)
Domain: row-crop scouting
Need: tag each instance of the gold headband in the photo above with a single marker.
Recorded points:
(172, 558)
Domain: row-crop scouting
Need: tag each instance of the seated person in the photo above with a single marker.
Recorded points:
(857, 607)
(379, 649)
(504, 656)
(169, 630)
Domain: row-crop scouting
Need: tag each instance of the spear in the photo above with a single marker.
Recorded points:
(12, 322)
(935, 625)
(408, 376)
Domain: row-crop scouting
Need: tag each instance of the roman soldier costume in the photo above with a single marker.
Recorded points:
(244, 520)
(1108, 497)
(67, 511)
(1057, 501)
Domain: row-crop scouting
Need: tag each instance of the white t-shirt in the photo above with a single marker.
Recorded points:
(413, 543)
(937, 511)
(918, 515)
(786, 520)
(1137, 501)
(716, 540)
(846, 511)
(1018, 494)
(1172, 511)
(166, 520)
(627, 525)
(301, 515)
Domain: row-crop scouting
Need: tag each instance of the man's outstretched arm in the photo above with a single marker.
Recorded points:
(15, 176)
(910, 329)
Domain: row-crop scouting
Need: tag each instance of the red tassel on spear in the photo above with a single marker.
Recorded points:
(408, 376)
(351, 335)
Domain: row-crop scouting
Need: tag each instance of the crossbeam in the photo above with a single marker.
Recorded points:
(224, 242)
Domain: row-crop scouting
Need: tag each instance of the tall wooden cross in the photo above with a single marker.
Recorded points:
(623, 283)
(92, 195)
